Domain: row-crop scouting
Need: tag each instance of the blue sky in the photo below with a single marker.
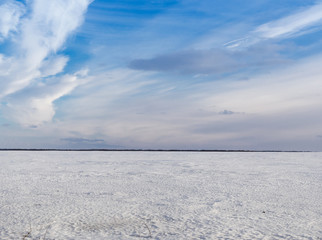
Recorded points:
(158, 74)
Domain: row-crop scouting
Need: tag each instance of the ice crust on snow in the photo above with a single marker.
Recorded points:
(160, 195)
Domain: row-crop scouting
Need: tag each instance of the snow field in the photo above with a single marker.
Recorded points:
(160, 195)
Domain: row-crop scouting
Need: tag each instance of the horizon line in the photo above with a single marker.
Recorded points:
(139, 150)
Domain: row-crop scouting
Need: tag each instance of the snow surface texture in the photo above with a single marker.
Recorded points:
(160, 195)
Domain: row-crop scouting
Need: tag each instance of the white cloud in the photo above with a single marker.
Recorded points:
(10, 13)
(51, 23)
(5, 65)
(40, 34)
(35, 105)
(53, 65)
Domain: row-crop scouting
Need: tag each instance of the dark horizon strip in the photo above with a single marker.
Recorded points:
(137, 150)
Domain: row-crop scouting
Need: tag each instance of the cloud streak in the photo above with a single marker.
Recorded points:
(296, 24)
(292, 24)
(82, 140)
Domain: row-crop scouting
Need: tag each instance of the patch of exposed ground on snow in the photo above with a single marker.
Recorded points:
(160, 195)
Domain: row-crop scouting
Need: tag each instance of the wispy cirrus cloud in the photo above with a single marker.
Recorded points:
(37, 38)
(293, 24)
(304, 21)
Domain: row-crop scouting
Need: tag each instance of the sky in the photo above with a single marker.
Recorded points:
(170, 74)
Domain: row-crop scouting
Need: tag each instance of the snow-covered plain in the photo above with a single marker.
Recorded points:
(160, 195)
